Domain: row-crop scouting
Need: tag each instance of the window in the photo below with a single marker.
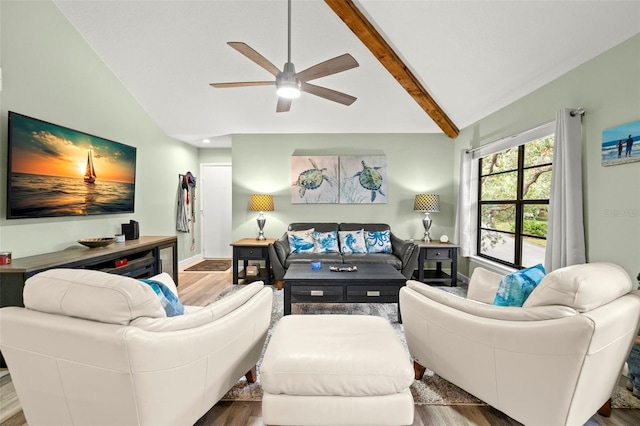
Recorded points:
(514, 187)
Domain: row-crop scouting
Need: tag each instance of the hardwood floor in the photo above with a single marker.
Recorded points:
(200, 288)
(250, 413)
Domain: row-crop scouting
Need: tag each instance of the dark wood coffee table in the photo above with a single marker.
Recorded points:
(371, 283)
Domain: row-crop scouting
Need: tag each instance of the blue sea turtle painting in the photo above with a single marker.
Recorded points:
(370, 179)
(311, 178)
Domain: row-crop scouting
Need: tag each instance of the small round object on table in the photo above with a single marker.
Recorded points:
(97, 242)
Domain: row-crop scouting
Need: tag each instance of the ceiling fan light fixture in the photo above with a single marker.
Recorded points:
(288, 89)
(287, 85)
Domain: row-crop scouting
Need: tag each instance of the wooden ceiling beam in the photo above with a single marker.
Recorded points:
(371, 38)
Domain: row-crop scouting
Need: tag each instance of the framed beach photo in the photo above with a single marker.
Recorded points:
(621, 144)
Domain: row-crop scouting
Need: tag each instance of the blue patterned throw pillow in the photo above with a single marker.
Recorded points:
(169, 301)
(301, 241)
(378, 241)
(352, 242)
(515, 287)
(325, 242)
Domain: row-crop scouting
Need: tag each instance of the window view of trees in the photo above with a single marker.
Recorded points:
(515, 185)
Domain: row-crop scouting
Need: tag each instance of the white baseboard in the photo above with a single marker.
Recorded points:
(189, 260)
(463, 278)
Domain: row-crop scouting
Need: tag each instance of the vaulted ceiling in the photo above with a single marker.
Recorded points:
(470, 57)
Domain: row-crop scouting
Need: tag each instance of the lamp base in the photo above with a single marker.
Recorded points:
(261, 221)
(426, 222)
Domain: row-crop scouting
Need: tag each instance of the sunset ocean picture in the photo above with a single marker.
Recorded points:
(56, 171)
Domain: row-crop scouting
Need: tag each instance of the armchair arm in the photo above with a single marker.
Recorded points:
(405, 251)
(199, 317)
(278, 252)
(479, 309)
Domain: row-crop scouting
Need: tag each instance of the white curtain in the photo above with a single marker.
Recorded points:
(565, 228)
(464, 230)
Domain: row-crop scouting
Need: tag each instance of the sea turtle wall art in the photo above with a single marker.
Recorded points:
(363, 179)
(314, 179)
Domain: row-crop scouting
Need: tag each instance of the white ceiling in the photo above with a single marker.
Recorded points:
(474, 57)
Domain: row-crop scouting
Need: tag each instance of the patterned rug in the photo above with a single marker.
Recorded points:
(210, 265)
(432, 389)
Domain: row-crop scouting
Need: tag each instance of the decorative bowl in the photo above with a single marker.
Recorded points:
(97, 242)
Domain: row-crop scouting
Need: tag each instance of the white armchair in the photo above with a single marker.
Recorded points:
(554, 361)
(94, 348)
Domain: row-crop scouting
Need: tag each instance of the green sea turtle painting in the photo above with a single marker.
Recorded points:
(363, 179)
(311, 181)
(370, 179)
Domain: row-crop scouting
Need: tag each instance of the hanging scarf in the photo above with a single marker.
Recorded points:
(182, 222)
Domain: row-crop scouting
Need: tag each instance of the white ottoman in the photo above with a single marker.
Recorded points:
(336, 370)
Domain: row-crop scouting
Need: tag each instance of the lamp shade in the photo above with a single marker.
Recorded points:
(427, 203)
(261, 203)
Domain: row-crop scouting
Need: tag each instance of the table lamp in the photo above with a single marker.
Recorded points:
(427, 203)
(261, 203)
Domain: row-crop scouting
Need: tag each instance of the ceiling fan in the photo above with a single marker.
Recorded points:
(288, 83)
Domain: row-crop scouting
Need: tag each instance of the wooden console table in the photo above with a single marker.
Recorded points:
(146, 256)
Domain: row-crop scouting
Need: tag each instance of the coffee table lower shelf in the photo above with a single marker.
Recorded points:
(371, 283)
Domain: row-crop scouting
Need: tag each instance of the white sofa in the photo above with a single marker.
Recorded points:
(94, 348)
(554, 361)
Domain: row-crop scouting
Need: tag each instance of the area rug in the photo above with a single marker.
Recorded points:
(431, 390)
(623, 398)
(210, 265)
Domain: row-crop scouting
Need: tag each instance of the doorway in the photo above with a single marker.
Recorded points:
(216, 211)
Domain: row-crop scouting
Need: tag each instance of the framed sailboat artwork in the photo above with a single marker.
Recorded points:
(57, 171)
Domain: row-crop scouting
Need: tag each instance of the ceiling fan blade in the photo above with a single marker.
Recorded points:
(284, 105)
(332, 95)
(242, 84)
(254, 56)
(328, 67)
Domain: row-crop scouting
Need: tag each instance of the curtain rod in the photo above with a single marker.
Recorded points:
(577, 111)
(515, 135)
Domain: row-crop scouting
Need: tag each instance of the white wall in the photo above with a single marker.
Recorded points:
(609, 88)
(50, 73)
(416, 163)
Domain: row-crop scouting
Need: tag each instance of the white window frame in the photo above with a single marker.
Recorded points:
(468, 209)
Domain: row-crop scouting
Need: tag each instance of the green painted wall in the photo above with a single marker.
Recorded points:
(214, 155)
(608, 86)
(49, 72)
(416, 163)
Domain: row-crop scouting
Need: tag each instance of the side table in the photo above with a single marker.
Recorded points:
(437, 252)
(248, 249)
